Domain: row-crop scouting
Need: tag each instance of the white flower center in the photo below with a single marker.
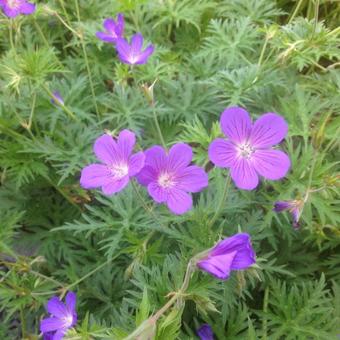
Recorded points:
(119, 170)
(245, 150)
(13, 3)
(68, 320)
(165, 180)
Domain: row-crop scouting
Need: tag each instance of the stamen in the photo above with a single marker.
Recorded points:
(166, 181)
(245, 150)
(120, 170)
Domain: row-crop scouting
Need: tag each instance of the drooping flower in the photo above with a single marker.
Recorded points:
(63, 317)
(118, 163)
(232, 253)
(57, 98)
(294, 207)
(248, 151)
(113, 29)
(170, 178)
(13, 8)
(133, 53)
(205, 332)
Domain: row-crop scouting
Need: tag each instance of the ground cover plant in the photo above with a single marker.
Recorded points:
(169, 169)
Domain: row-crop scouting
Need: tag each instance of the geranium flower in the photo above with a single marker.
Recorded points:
(113, 30)
(63, 317)
(133, 53)
(232, 253)
(294, 207)
(205, 332)
(118, 163)
(248, 151)
(13, 8)
(169, 178)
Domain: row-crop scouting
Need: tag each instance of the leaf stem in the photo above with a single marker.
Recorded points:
(87, 61)
(158, 128)
(296, 10)
(265, 309)
(222, 201)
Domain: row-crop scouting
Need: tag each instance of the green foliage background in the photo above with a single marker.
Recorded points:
(280, 56)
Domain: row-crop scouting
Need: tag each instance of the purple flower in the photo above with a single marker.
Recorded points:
(57, 98)
(118, 163)
(248, 151)
(169, 178)
(13, 8)
(205, 332)
(113, 30)
(132, 53)
(63, 317)
(294, 207)
(232, 253)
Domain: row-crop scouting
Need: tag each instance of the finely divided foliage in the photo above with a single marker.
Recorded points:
(169, 169)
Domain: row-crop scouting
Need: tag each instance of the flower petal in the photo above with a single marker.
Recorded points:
(222, 153)
(51, 324)
(282, 206)
(192, 179)
(136, 43)
(115, 186)
(180, 156)
(219, 265)
(59, 335)
(144, 56)
(27, 8)
(11, 12)
(56, 307)
(236, 124)
(71, 300)
(106, 150)
(126, 142)
(157, 192)
(94, 176)
(136, 163)
(244, 174)
(120, 24)
(156, 158)
(110, 26)
(268, 130)
(271, 164)
(147, 175)
(205, 332)
(232, 243)
(123, 49)
(105, 37)
(179, 201)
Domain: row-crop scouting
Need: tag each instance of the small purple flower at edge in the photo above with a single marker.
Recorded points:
(13, 8)
(294, 207)
(232, 253)
(63, 317)
(248, 151)
(205, 332)
(170, 178)
(113, 30)
(133, 53)
(57, 98)
(118, 163)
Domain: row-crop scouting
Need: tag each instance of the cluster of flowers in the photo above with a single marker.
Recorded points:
(133, 53)
(169, 176)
